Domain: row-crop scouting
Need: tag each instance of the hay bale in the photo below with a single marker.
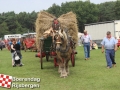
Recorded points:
(44, 22)
(69, 22)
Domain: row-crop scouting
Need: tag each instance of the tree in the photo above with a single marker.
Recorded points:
(55, 10)
(3, 29)
(117, 9)
(86, 12)
(106, 11)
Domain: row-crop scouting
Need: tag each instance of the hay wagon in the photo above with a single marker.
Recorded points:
(59, 51)
(47, 50)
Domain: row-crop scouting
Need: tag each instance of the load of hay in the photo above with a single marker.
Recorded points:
(67, 21)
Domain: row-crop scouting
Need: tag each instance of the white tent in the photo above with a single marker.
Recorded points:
(79, 34)
(12, 36)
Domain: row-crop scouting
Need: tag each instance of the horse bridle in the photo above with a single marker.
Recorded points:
(56, 37)
(59, 42)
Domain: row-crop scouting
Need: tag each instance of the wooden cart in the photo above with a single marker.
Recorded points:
(47, 50)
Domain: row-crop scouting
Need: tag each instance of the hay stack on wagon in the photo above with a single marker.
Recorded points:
(67, 21)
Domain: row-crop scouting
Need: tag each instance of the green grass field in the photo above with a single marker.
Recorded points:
(86, 75)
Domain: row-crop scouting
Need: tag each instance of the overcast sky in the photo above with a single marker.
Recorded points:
(33, 5)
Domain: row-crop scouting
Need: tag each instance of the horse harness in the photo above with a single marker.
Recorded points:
(59, 42)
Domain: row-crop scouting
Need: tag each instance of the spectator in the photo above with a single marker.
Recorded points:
(1, 45)
(87, 43)
(116, 39)
(12, 50)
(110, 45)
(18, 50)
(8, 44)
(15, 47)
(95, 46)
(18, 41)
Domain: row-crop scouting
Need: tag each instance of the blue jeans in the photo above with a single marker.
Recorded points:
(87, 49)
(110, 55)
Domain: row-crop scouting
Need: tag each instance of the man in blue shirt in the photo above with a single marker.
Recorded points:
(110, 45)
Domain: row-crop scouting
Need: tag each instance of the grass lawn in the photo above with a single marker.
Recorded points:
(86, 75)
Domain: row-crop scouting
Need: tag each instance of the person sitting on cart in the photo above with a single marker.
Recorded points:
(55, 25)
(51, 32)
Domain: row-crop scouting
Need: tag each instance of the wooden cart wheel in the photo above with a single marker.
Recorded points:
(73, 59)
(47, 56)
(41, 62)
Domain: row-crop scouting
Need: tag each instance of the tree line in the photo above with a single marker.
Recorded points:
(86, 12)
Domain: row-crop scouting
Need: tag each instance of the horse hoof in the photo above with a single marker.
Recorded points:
(63, 75)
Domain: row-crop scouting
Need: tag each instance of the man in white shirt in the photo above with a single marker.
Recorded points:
(86, 40)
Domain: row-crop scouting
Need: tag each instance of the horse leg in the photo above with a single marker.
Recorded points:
(67, 67)
(62, 62)
(59, 68)
(67, 62)
(59, 63)
(63, 73)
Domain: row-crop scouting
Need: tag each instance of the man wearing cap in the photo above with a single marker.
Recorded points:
(110, 45)
(86, 40)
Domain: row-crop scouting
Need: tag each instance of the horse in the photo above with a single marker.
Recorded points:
(63, 50)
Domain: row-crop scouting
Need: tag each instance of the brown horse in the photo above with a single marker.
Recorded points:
(63, 50)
